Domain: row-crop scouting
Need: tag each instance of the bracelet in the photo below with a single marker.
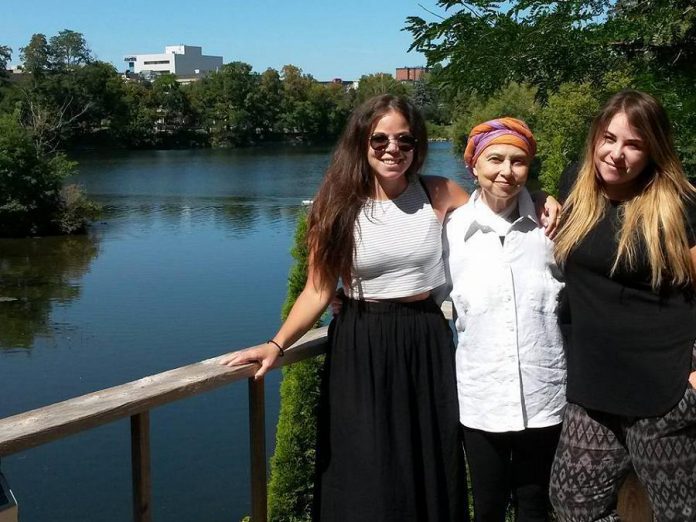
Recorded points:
(280, 348)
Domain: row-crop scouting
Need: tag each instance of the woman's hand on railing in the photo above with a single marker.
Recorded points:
(265, 355)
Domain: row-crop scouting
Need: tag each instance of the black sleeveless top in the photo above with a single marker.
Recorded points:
(629, 347)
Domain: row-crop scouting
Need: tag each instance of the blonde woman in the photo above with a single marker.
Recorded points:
(626, 243)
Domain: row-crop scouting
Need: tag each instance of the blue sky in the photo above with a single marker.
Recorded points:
(327, 39)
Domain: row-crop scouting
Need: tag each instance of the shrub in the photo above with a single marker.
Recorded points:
(561, 130)
(518, 101)
(33, 200)
(291, 486)
(30, 182)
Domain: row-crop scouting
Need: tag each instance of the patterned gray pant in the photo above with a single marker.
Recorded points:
(597, 450)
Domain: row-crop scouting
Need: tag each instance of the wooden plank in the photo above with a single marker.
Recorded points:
(257, 436)
(140, 463)
(634, 504)
(49, 423)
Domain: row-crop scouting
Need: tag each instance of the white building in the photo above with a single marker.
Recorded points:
(181, 60)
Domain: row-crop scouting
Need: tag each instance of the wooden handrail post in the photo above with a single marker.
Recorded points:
(634, 504)
(140, 462)
(257, 436)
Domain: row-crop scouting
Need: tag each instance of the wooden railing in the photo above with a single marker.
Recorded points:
(135, 400)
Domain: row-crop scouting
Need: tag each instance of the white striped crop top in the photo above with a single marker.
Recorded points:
(398, 247)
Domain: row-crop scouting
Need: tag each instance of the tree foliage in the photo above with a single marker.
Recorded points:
(518, 101)
(482, 47)
(226, 104)
(562, 128)
(380, 83)
(291, 486)
(70, 99)
(5, 57)
(575, 53)
(68, 50)
(32, 197)
(35, 56)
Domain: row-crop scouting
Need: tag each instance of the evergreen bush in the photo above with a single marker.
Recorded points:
(291, 486)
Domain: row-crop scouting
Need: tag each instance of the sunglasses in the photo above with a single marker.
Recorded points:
(380, 141)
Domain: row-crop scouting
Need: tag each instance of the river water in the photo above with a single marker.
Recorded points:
(189, 260)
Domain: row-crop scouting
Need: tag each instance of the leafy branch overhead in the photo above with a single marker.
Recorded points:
(484, 45)
(572, 53)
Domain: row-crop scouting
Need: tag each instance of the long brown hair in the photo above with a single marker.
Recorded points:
(349, 182)
(654, 218)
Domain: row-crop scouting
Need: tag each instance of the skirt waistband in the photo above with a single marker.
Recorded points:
(385, 307)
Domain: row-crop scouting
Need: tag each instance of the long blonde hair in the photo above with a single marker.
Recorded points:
(654, 218)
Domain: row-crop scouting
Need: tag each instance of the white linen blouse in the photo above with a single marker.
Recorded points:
(511, 368)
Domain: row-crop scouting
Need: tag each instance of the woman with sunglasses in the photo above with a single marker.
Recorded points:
(509, 361)
(627, 244)
(388, 447)
(388, 442)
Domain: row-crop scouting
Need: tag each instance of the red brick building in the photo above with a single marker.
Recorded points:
(410, 74)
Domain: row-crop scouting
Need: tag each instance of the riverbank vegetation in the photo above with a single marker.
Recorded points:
(33, 197)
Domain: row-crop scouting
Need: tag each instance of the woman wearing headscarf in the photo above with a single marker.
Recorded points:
(510, 363)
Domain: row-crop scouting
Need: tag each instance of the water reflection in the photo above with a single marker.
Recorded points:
(35, 274)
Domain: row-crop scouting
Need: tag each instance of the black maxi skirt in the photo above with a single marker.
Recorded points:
(388, 447)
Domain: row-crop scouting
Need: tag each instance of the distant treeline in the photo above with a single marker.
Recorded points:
(65, 99)
(68, 99)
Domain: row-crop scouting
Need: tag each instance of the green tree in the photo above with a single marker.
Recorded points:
(226, 102)
(340, 103)
(266, 100)
(323, 114)
(5, 57)
(98, 86)
(296, 115)
(137, 129)
(30, 183)
(657, 35)
(68, 95)
(650, 45)
(482, 45)
(562, 128)
(657, 42)
(291, 486)
(518, 101)
(380, 83)
(68, 50)
(173, 107)
(35, 56)
(426, 95)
